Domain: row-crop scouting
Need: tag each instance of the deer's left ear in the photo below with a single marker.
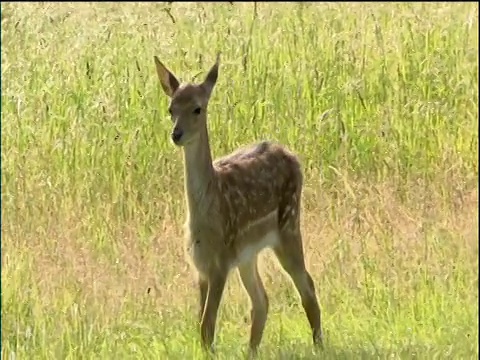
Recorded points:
(211, 79)
(168, 81)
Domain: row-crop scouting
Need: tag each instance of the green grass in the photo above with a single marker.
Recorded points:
(380, 102)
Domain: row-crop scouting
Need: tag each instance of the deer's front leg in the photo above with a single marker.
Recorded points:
(216, 284)
(203, 290)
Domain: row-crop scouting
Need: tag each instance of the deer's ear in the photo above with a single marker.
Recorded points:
(168, 81)
(211, 79)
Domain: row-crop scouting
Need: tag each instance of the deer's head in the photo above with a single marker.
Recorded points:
(188, 102)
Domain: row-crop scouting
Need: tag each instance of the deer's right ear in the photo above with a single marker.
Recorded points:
(168, 81)
(211, 79)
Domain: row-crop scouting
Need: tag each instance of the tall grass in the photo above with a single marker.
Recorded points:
(380, 102)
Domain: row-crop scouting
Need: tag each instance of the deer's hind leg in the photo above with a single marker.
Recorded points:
(253, 285)
(289, 252)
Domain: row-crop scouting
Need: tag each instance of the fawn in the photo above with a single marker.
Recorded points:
(237, 205)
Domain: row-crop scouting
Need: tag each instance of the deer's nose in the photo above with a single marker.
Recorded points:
(177, 134)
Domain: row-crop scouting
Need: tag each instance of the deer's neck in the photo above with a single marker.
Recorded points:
(199, 174)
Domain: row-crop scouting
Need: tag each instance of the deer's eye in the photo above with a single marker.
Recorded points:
(197, 111)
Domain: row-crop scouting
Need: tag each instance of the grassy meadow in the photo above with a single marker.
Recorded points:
(380, 102)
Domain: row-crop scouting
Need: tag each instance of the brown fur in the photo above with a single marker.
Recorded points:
(237, 205)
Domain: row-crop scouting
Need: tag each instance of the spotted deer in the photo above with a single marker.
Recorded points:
(237, 206)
